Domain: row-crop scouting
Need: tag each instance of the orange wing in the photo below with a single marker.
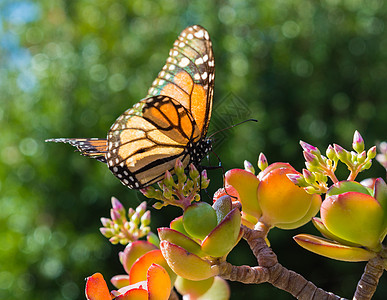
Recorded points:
(188, 75)
(170, 124)
(147, 139)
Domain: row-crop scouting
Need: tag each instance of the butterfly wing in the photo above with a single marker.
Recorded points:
(91, 147)
(188, 75)
(147, 139)
(171, 123)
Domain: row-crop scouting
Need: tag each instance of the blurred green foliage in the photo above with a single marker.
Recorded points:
(310, 70)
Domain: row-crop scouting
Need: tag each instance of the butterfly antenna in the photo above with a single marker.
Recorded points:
(232, 126)
(223, 172)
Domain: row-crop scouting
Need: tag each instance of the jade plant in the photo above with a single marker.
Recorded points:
(190, 256)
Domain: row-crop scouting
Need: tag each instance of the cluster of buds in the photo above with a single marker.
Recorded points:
(319, 167)
(125, 228)
(181, 192)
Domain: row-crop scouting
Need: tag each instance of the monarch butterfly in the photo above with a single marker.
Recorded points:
(170, 123)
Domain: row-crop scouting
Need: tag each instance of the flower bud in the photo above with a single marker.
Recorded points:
(309, 148)
(361, 157)
(331, 154)
(188, 185)
(358, 142)
(249, 167)
(193, 172)
(310, 158)
(116, 204)
(131, 211)
(106, 222)
(341, 153)
(135, 218)
(149, 192)
(141, 208)
(309, 176)
(205, 181)
(158, 205)
(179, 168)
(311, 167)
(167, 193)
(115, 215)
(297, 179)
(311, 189)
(114, 240)
(168, 179)
(262, 162)
(146, 218)
(371, 153)
(106, 232)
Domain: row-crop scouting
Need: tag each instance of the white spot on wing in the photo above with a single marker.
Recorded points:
(184, 62)
(199, 61)
(199, 34)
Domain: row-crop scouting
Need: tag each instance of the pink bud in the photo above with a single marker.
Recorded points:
(107, 232)
(262, 161)
(371, 153)
(330, 152)
(309, 157)
(106, 222)
(309, 176)
(358, 142)
(295, 178)
(145, 219)
(341, 153)
(248, 166)
(307, 147)
(115, 215)
(193, 172)
(168, 175)
(116, 204)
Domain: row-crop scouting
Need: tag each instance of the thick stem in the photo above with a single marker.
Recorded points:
(244, 274)
(369, 280)
(278, 275)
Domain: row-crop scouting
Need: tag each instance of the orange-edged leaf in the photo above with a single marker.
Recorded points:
(218, 291)
(333, 250)
(139, 270)
(159, 283)
(177, 238)
(193, 288)
(224, 237)
(273, 166)
(246, 184)
(119, 281)
(96, 288)
(186, 264)
(313, 210)
(347, 186)
(318, 223)
(134, 294)
(133, 251)
(380, 194)
(282, 201)
(177, 224)
(355, 217)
